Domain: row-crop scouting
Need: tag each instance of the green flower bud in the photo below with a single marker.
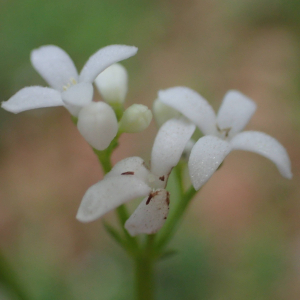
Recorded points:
(136, 118)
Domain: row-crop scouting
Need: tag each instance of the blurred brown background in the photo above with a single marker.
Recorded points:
(241, 238)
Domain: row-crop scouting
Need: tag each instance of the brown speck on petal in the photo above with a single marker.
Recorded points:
(149, 199)
(168, 198)
(128, 173)
(162, 178)
(151, 196)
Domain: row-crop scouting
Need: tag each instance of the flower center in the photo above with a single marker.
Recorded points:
(70, 83)
(156, 182)
(224, 132)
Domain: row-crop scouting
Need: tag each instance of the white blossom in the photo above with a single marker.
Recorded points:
(68, 88)
(222, 132)
(130, 178)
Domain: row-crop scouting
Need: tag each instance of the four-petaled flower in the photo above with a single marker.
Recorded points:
(73, 91)
(222, 132)
(130, 179)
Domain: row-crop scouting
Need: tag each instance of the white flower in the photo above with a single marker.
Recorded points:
(130, 179)
(223, 132)
(69, 89)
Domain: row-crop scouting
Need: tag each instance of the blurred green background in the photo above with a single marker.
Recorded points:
(241, 238)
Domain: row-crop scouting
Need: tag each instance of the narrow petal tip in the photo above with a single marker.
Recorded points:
(235, 112)
(103, 58)
(32, 97)
(265, 145)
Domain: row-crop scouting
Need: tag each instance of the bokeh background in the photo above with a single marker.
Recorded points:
(241, 237)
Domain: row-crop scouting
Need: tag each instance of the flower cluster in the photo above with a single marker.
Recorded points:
(130, 178)
(222, 132)
(178, 111)
(97, 121)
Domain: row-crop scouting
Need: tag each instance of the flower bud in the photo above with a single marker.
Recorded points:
(136, 118)
(112, 84)
(163, 113)
(98, 124)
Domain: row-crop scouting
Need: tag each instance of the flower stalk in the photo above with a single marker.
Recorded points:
(144, 273)
(145, 254)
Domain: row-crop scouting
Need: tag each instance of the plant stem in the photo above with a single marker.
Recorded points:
(144, 278)
(104, 159)
(178, 172)
(144, 257)
(123, 215)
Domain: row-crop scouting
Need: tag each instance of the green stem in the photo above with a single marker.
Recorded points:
(123, 216)
(144, 278)
(144, 257)
(168, 230)
(104, 159)
(178, 172)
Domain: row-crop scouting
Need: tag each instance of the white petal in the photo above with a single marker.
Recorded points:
(78, 96)
(206, 156)
(103, 58)
(131, 166)
(149, 218)
(108, 194)
(112, 83)
(169, 144)
(266, 146)
(32, 97)
(192, 105)
(235, 112)
(98, 124)
(55, 66)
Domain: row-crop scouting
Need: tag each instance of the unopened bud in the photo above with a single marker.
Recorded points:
(112, 84)
(136, 118)
(163, 113)
(98, 124)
